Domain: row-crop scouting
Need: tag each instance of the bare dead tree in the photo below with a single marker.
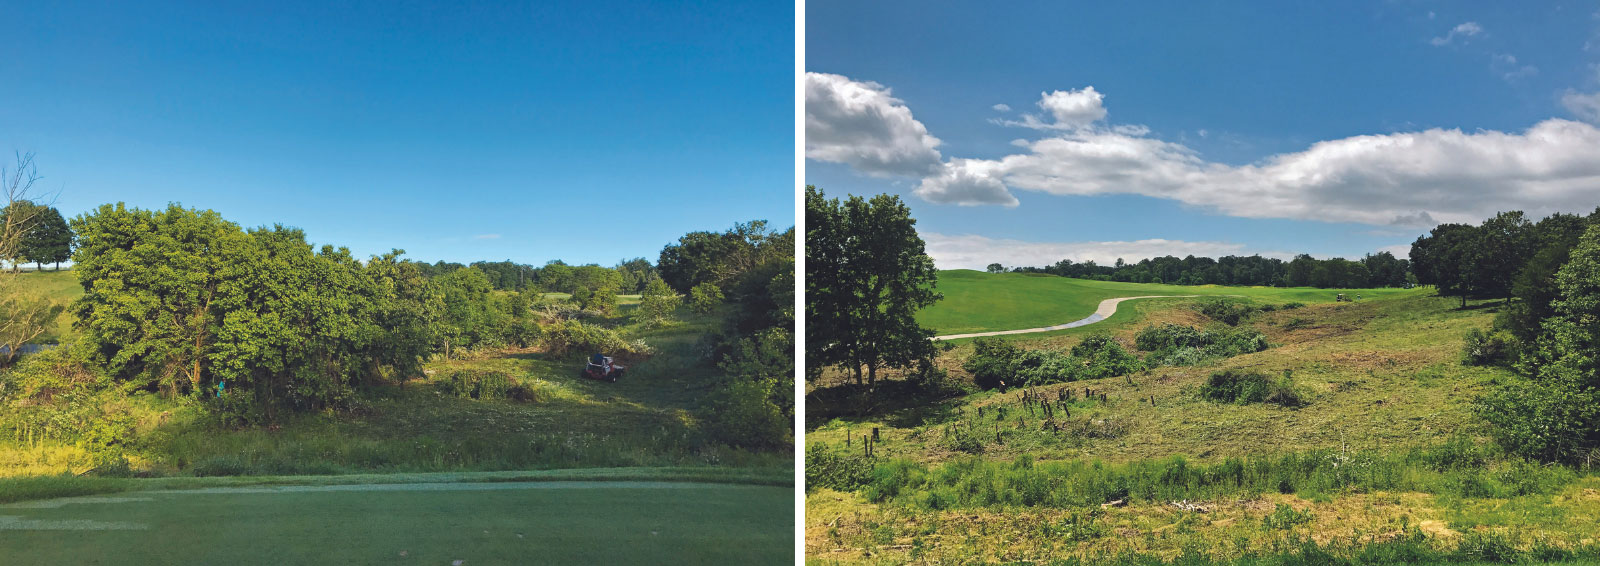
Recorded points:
(24, 315)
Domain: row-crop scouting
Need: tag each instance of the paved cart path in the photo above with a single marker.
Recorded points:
(1107, 308)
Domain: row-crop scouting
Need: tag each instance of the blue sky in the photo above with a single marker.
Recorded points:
(1038, 131)
(589, 132)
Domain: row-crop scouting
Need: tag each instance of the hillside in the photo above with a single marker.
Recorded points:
(1384, 392)
(975, 301)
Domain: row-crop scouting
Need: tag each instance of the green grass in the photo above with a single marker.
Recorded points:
(1381, 381)
(60, 286)
(532, 523)
(979, 302)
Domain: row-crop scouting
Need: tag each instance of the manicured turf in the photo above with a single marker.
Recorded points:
(433, 523)
(979, 302)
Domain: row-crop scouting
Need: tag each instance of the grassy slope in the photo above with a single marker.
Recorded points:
(59, 286)
(1383, 375)
(976, 302)
(528, 524)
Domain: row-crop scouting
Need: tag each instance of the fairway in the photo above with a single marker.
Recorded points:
(982, 302)
(419, 523)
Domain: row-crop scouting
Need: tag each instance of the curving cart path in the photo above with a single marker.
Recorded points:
(1107, 308)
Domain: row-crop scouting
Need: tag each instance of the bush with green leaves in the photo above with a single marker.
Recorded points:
(1237, 386)
(1488, 348)
(1228, 311)
(742, 414)
(658, 302)
(1179, 345)
(567, 337)
(50, 396)
(1098, 356)
(602, 300)
(993, 362)
(705, 297)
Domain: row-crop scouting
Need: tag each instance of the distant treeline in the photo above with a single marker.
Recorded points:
(697, 257)
(1374, 270)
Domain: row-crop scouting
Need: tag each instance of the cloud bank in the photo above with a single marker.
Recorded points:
(1407, 179)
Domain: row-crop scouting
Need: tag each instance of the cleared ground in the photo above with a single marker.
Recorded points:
(433, 523)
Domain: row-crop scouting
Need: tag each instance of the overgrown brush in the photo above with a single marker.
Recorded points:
(1237, 386)
(978, 482)
(997, 363)
(1178, 345)
(567, 337)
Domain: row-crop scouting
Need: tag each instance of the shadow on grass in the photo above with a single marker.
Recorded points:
(901, 403)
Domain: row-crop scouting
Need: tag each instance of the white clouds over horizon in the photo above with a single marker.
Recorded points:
(1406, 179)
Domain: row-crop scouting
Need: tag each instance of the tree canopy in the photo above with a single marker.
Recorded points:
(867, 273)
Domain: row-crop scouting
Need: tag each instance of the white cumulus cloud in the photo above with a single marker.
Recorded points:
(1408, 179)
(1066, 110)
(966, 182)
(861, 125)
(1001, 107)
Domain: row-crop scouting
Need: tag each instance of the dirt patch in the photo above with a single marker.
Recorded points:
(1437, 529)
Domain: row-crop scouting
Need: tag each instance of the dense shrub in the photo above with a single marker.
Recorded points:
(995, 362)
(742, 414)
(574, 336)
(1101, 357)
(1178, 345)
(1488, 348)
(1226, 311)
(705, 297)
(1243, 387)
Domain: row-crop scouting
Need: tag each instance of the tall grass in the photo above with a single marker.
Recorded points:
(1459, 469)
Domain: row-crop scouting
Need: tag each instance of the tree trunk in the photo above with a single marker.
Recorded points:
(872, 374)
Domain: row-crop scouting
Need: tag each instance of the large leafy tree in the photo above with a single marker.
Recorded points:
(719, 258)
(48, 240)
(867, 275)
(150, 309)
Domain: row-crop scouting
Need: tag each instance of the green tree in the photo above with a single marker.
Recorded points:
(603, 299)
(705, 297)
(867, 275)
(48, 240)
(658, 302)
(150, 311)
(719, 258)
(1555, 415)
(997, 268)
(1299, 271)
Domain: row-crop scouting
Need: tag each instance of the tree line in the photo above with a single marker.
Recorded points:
(1382, 269)
(256, 322)
(1547, 329)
